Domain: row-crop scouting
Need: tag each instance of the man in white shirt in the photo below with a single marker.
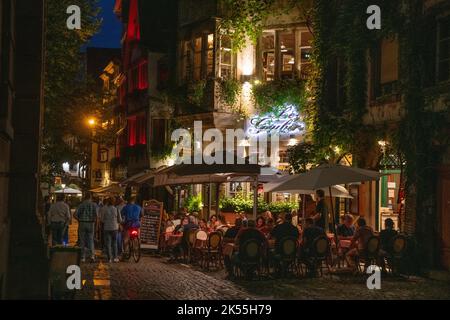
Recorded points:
(58, 218)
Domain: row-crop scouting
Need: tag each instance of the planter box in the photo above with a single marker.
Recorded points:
(230, 217)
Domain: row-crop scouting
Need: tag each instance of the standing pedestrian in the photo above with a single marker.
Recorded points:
(320, 216)
(58, 219)
(86, 215)
(120, 204)
(110, 217)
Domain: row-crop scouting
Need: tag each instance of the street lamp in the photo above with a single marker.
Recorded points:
(63, 185)
(91, 122)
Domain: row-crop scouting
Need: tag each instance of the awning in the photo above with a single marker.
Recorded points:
(114, 188)
(207, 173)
(133, 178)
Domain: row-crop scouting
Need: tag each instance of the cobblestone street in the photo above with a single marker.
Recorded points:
(155, 278)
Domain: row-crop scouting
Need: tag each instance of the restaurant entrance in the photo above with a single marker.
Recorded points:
(390, 198)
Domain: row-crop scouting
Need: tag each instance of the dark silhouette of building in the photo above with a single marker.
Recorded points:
(23, 251)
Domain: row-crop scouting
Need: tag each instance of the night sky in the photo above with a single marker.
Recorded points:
(111, 29)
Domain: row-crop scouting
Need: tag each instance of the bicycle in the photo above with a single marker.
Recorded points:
(132, 247)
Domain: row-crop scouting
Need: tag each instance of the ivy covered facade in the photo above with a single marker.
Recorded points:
(376, 99)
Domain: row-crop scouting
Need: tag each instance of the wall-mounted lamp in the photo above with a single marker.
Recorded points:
(292, 141)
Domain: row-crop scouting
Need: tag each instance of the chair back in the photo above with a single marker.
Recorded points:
(202, 235)
(372, 246)
(321, 247)
(398, 245)
(214, 240)
(287, 248)
(250, 251)
(192, 236)
(224, 229)
(187, 236)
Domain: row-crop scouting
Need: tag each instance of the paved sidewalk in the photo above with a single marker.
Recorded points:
(155, 278)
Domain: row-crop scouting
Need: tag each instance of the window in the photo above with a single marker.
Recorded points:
(131, 125)
(198, 58)
(385, 68)
(185, 61)
(163, 74)
(226, 57)
(137, 130)
(389, 66)
(159, 137)
(102, 155)
(143, 75)
(444, 49)
(268, 55)
(138, 77)
(287, 55)
(210, 56)
(305, 53)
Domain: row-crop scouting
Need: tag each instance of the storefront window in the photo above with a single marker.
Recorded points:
(444, 50)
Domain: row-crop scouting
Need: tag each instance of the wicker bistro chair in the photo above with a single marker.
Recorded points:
(369, 255)
(396, 251)
(284, 257)
(318, 256)
(248, 259)
(212, 254)
(187, 243)
(200, 243)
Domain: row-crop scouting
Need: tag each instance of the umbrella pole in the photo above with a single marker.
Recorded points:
(304, 206)
(255, 198)
(333, 217)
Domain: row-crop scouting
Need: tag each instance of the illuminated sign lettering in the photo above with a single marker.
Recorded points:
(286, 121)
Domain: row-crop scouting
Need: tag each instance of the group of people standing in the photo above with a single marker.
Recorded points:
(113, 215)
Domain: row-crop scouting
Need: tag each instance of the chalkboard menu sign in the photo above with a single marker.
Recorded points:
(151, 224)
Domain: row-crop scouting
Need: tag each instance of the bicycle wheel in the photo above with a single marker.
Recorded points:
(136, 249)
(126, 250)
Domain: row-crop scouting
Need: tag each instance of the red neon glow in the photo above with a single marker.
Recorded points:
(133, 31)
(143, 75)
(132, 131)
(141, 130)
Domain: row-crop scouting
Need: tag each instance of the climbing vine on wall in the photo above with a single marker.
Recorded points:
(278, 93)
(243, 19)
(340, 61)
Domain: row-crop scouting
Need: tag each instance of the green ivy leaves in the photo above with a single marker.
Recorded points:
(272, 95)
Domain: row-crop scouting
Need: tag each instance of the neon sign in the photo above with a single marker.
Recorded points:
(286, 121)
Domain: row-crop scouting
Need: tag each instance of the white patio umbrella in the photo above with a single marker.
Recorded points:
(68, 191)
(336, 191)
(327, 176)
